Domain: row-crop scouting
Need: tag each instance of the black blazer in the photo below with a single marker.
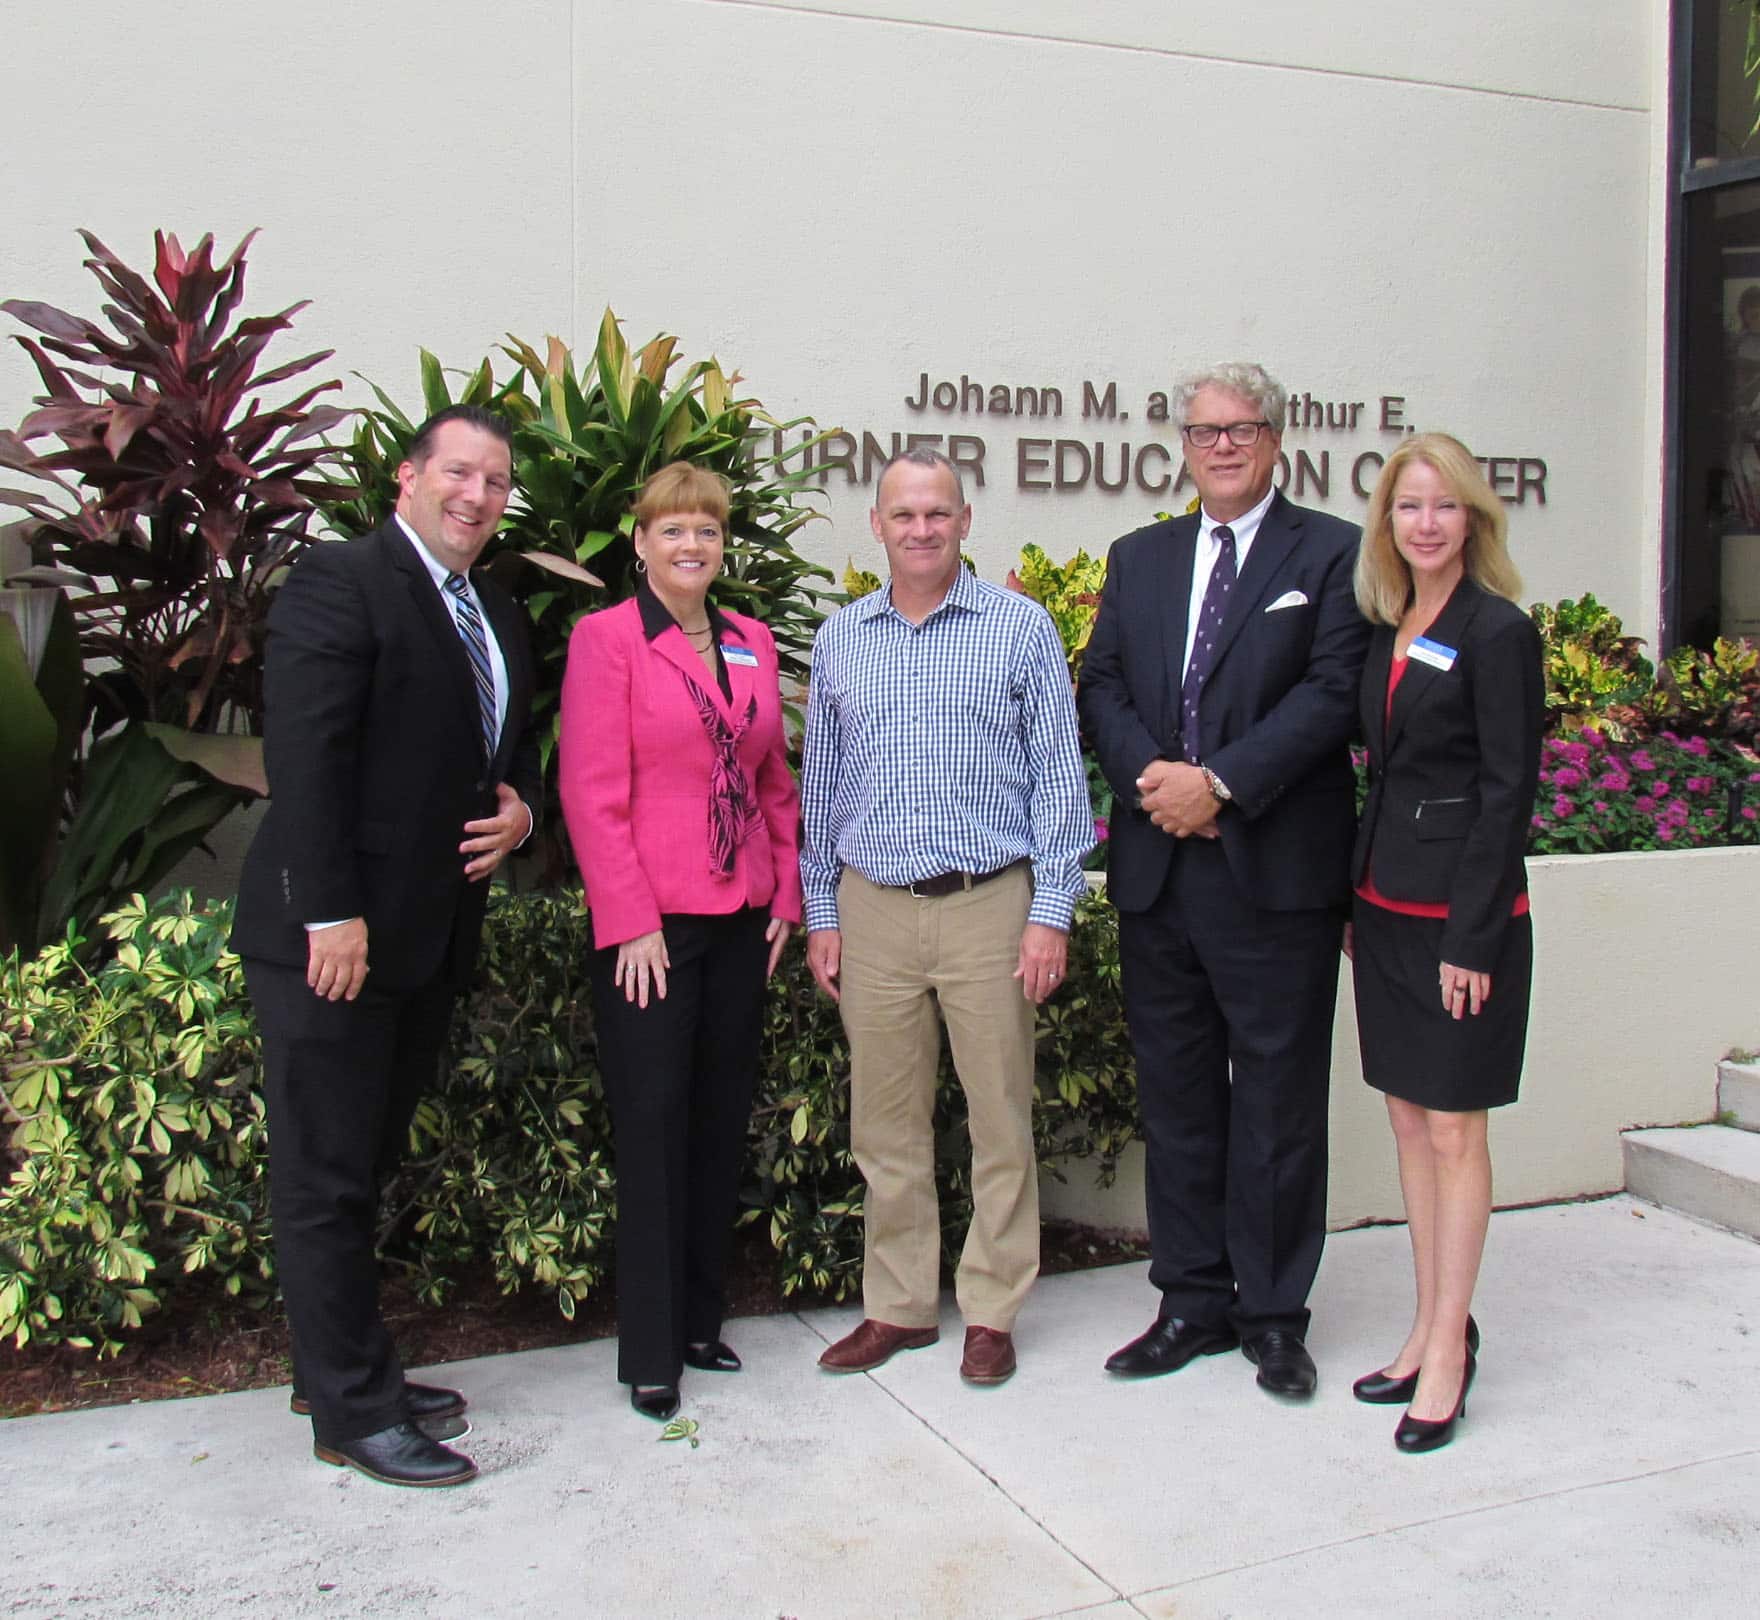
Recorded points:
(375, 762)
(1453, 770)
(1276, 716)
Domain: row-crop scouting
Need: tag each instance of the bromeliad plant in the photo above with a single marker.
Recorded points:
(586, 434)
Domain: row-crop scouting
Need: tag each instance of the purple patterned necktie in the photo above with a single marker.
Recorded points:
(1204, 638)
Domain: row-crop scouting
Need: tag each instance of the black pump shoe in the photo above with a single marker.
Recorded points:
(711, 1357)
(1428, 1434)
(1377, 1389)
(657, 1401)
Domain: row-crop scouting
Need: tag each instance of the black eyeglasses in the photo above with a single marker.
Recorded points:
(1204, 434)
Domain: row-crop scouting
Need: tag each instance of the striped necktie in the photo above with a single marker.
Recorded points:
(476, 646)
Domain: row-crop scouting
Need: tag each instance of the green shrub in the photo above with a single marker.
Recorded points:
(139, 1150)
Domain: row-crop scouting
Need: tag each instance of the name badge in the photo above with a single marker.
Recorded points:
(739, 655)
(1432, 653)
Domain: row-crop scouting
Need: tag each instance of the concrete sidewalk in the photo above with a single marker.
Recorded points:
(1609, 1466)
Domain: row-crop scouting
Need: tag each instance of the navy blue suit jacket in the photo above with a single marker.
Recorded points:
(1277, 713)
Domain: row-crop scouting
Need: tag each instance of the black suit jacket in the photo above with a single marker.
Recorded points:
(1453, 770)
(1277, 711)
(373, 751)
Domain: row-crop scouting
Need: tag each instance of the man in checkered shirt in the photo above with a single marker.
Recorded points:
(946, 811)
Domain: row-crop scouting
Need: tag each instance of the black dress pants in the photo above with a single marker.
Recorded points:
(679, 1076)
(1230, 1016)
(341, 1080)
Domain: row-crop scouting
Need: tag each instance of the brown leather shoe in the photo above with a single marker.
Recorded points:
(989, 1357)
(874, 1344)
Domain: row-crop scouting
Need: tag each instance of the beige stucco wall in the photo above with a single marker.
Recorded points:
(1453, 205)
(1646, 971)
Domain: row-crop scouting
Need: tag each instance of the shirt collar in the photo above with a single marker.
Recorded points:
(1243, 528)
(962, 593)
(437, 571)
(657, 618)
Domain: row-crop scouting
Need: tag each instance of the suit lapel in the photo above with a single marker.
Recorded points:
(435, 614)
(1372, 710)
(742, 679)
(1279, 531)
(1170, 601)
(671, 645)
(1447, 628)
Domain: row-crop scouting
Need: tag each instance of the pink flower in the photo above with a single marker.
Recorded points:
(1641, 760)
(1601, 806)
(1676, 811)
(1666, 834)
(1749, 812)
(1615, 781)
(1576, 752)
(1561, 806)
(1645, 803)
(1567, 776)
(1700, 784)
(1697, 746)
(1537, 820)
(1101, 830)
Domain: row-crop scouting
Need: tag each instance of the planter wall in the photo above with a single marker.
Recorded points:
(1646, 971)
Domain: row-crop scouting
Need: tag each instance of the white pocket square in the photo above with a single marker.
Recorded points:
(1289, 599)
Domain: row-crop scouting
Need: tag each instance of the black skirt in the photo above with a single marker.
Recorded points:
(1411, 1047)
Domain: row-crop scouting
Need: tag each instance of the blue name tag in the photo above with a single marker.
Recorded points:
(1432, 653)
(739, 655)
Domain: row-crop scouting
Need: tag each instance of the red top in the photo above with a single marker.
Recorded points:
(1366, 890)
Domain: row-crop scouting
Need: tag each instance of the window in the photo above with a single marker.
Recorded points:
(1712, 577)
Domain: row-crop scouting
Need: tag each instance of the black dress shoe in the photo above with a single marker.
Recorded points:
(400, 1455)
(1379, 1390)
(658, 1401)
(716, 1357)
(423, 1401)
(1168, 1346)
(1429, 1434)
(1285, 1367)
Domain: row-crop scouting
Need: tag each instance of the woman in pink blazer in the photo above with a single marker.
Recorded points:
(686, 823)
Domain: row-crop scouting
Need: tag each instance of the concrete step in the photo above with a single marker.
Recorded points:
(1711, 1172)
(1738, 1094)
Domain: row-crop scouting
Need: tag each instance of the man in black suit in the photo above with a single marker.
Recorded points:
(401, 767)
(1219, 691)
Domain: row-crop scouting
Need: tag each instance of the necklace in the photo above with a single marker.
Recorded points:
(707, 630)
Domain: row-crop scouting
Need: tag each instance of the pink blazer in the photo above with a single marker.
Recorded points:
(634, 763)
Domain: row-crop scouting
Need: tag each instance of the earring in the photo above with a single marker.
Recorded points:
(641, 564)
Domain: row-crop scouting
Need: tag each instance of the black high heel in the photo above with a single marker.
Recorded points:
(1429, 1434)
(711, 1356)
(656, 1401)
(1377, 1389)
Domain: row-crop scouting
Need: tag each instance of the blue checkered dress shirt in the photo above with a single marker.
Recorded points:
(948, 746)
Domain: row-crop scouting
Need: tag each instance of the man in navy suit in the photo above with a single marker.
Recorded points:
(402, 762)
(1219, 691)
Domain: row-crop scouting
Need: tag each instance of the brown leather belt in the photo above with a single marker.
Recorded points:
(933, 888)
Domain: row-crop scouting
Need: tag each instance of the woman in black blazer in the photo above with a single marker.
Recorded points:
(1452, 701)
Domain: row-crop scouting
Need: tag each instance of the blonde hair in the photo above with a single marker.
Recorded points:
(681, 487)
(1383, 581)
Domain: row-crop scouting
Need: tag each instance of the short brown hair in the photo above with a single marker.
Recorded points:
(681, 487)
(1383, 581)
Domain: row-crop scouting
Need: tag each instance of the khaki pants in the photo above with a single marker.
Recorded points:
(902, 956)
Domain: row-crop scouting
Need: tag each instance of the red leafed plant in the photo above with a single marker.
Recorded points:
(185, 493)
